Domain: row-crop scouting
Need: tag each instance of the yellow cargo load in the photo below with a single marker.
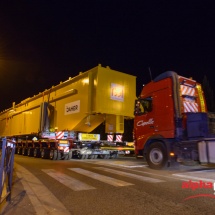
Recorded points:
(79, 104)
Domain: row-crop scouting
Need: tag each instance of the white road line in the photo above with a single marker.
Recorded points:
(68, 181)
(189, 175)
(43, 201)
(102, 178)
(130, 175)
(115, 163)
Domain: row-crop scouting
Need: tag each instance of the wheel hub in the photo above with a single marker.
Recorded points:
(156, 156)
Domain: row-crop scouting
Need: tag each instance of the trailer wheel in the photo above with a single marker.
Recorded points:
(59, 155)
(44, 153)
(19, 151)
(37, 153)
(51, 155)
(30, 152)
(113, 155)
(69, 156)
(107, 156)
(84, 156)
(156, 156)
(24, 151)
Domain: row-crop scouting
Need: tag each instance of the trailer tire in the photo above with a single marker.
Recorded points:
(84, 157)
(156, 156)
(51, 155)
(37, 153)
(30, 152)
(24, 151)
(44, 153)
(59, 155)
(69, 156)
(107, 156)
(19, 151)
(114, 155)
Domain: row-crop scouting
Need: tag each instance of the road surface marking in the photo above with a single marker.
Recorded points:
(68, 181)
(43, 201)
(198, 175)
(102, 178)
(130, 175)
(127, 164)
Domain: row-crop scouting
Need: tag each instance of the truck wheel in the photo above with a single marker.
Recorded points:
(156, 156)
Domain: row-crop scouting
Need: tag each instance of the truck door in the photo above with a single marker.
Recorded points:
(143, 121)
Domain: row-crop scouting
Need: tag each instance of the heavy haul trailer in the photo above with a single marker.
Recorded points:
(48, 124)
(171, 122)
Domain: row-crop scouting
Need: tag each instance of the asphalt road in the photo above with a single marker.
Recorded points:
(120, 186)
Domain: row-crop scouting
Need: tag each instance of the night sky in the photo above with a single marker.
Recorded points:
(45, 42)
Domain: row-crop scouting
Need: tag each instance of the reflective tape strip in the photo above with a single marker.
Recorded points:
(185, 90)
(59, 135)
(66, 149)
(110, 137)
(118, 138)
(190, 107)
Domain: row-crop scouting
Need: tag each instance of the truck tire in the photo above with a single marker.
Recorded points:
(156, 156)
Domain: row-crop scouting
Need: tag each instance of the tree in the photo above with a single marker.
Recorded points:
(209, 95)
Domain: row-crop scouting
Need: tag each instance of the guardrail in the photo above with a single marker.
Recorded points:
(7, 151)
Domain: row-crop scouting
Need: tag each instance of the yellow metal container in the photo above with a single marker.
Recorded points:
(79, 104)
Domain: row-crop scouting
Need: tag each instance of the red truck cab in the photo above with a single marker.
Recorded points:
(164, 112)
